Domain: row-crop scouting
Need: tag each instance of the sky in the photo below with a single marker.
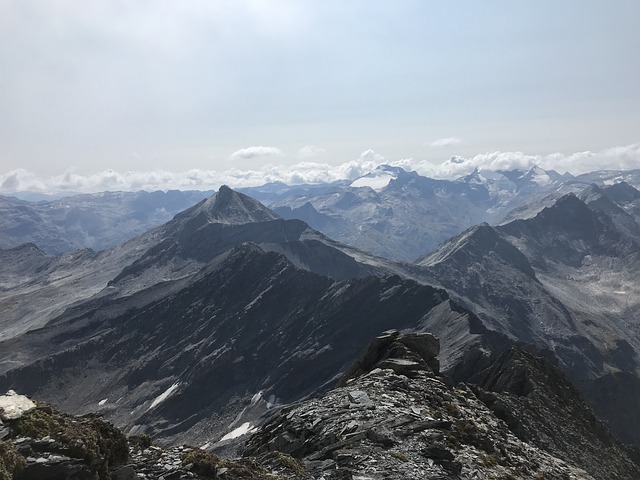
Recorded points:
(123, 94)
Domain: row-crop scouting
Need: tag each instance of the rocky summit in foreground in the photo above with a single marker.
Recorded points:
(394, 416)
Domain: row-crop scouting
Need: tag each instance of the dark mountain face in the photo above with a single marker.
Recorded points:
(214, 308)
(614, 215)
(249, 322)
(495, 280)
(565, 233)
(622, 192)
(626, 197)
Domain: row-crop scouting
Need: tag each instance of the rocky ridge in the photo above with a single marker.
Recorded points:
(402, 420)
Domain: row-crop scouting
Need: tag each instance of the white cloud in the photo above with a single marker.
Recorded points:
(256, 152)
(445, 142)
(309, 151)
(615, 158)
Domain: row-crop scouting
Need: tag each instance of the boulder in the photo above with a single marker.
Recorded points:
(13, 405)
(404, 353)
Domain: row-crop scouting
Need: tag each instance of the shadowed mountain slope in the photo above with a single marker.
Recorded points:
(564, 279)
(185, 361)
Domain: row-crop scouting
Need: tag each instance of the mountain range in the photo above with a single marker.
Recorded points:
(402, 215)
(96, 221)
(201, 328)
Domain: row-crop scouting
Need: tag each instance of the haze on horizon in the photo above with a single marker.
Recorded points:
(209, 92)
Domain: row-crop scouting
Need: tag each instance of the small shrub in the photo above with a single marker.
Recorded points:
(11, 462)
(207, 464)
(89, 438)
(399, 455)
(290, 463)
(141, 441)
(203, 463)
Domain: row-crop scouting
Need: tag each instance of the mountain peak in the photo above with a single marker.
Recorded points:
(592, 192)
(475, 244)
(231, 207)
(568, 212)
(622, 192)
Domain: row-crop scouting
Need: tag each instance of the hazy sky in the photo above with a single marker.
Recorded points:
(248, 85)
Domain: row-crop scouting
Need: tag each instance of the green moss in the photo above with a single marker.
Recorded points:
(11, 462)
(141, 441)
(399, 455)
(89, 438)
(290, 463)
(207, 465)
(36, 424)
(203, 463)
(453, 409)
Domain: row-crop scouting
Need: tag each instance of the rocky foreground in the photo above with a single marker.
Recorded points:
(393, 416)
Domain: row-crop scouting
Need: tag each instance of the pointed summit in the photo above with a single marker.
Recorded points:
(592, 193)
(231, 207)
(474, 245)
(226, 206)
(568, 216)
(622, 192)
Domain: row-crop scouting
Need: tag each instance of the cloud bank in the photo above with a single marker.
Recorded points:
(21, 180)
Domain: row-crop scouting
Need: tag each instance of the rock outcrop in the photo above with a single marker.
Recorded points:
(385, 423)
(40, 443)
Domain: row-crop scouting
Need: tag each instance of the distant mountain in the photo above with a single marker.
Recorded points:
(97, 221)
(626, 197)
(401, 215)
(222, 302)
(389, 212)
(610, 177)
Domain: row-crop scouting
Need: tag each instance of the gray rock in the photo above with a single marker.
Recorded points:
(359, 398)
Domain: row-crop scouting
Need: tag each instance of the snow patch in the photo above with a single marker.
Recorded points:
(161, 398)
(257, 397)
(377, 180)
(243, 429)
